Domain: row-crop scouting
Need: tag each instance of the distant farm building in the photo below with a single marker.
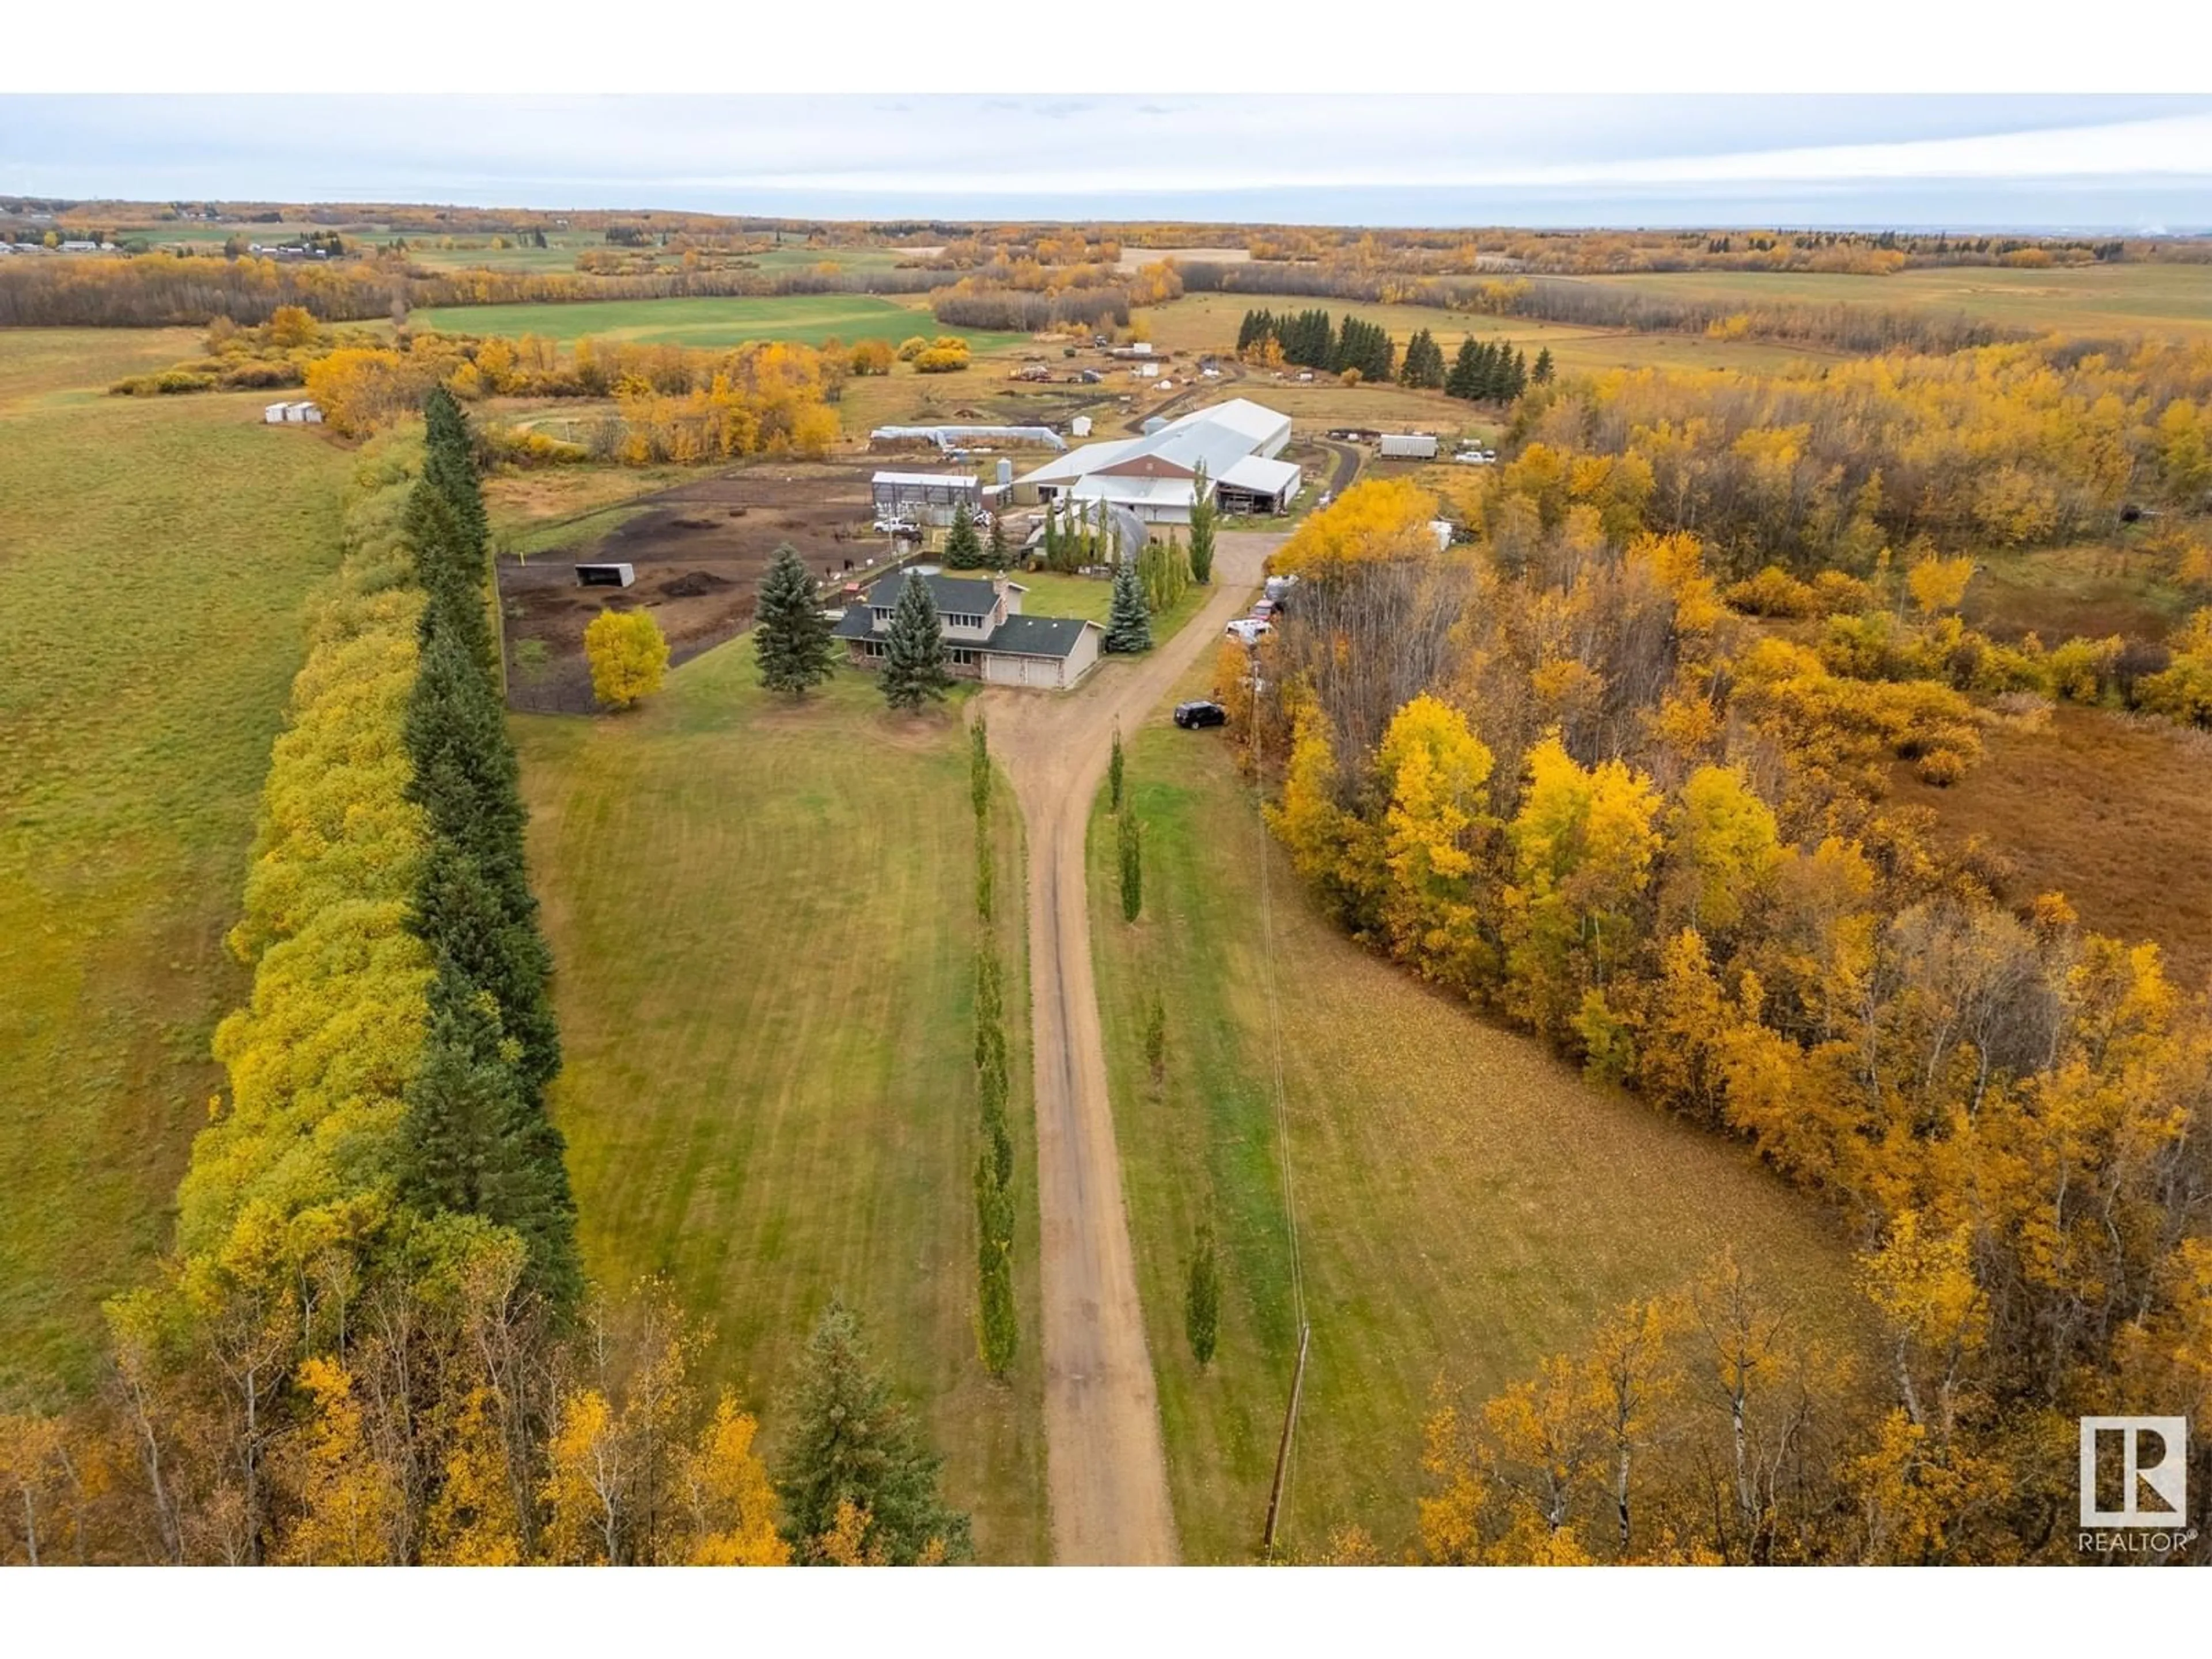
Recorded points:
(605, 575)
(1408, 447)
(294, 413)
(925, 497)
(1151, 476)
(943, 438)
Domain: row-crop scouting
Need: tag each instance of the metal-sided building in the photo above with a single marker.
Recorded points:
(1154, 475)
(925, 497)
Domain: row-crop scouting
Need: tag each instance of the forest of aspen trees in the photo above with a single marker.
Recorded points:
(1619, 773)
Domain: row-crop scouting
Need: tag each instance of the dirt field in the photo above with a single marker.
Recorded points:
(700, 550)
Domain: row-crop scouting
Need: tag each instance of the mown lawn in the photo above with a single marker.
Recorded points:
(1091, 597)
(763, 918)
(1466, 1204)
(808, 319)
(156, 557)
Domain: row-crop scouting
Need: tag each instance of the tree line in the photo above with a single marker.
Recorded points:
(1815, 468)
(373, 1342)
(1840, 326)
(1569, 786)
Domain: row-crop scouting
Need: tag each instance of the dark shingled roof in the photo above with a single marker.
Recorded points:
(855, 624)
(1036, 637)
(964, 594)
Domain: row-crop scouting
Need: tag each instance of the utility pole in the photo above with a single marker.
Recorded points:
(1282, 1448)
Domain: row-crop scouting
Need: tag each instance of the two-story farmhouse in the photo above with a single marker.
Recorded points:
(985, 636)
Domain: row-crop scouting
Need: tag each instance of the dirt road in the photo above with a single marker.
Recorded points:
(1105, 1469)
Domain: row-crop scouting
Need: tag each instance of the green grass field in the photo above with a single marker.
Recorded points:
(151, 579)
(762, 920)
(2174, 300)
(1467, 1204)
(808, 319)
(1093, 598)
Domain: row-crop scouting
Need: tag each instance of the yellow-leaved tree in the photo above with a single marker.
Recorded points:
(1437, 772)
(628, 656)
(1374, 522)
(732, 1505)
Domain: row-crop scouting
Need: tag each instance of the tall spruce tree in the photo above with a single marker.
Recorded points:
(963, 548)
(1540, 371)
(914, 670)
(1465, 379)
(1129, 622)
(791, 641)
(850, 1440)
(1000, 554)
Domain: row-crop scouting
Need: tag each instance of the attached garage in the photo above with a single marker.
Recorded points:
(1051, 654)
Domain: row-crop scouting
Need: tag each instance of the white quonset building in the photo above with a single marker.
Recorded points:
(1237, 443)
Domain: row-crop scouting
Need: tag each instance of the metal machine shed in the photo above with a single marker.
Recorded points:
(925, 497)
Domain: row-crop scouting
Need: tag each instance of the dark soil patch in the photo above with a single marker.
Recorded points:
(699, 551)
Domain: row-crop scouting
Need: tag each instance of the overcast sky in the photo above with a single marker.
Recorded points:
(2133, 163)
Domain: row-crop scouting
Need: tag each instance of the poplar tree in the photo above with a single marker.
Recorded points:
(1203, 517)
(1129, 623)
(1201, 1304)
(914, 669)
(792, 641)
(1130, 837)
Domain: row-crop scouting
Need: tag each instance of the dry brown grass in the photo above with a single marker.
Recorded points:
(2115, 813)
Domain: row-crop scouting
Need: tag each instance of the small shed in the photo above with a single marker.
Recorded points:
(1408, 447)
(605, 575)
(1080, 427)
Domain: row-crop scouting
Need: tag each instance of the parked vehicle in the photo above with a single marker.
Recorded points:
(1245, 630)
(895, 528)
(1195, 716)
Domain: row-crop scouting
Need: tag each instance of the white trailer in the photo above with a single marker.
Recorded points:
(1408, 447)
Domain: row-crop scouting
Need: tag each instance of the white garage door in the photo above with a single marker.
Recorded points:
(1040, 670)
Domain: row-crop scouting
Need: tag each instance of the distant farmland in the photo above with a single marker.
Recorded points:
(2168, 300)
(808, 319)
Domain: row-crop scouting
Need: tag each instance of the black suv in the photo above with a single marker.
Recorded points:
(1191, 715)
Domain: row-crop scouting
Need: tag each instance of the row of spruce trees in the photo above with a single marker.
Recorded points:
(478, 1139)
(1483, 372)
(1489, 371)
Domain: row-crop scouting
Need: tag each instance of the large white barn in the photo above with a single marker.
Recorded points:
(1237, 443)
